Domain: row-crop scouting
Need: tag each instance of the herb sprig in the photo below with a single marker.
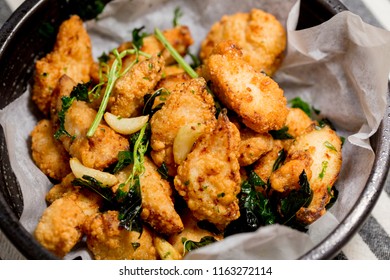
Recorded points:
(114, 73)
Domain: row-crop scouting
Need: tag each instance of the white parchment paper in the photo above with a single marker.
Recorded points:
(340, 67)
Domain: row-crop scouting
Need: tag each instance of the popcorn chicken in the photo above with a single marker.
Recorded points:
(260, 35)
(48, 153)
(107, 240)
(157, 204)
(127, 98)
(324, 146)
(188, 103)
(71, 55)
(209, 179)
(253, 145)
(256, 98)
(59, 228)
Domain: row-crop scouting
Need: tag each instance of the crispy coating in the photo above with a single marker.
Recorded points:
(264, 165)
(253, 145)
(48, 153)
(188, 103)
(171, 81)
(173, 69)
(260, 35)
(297, 121)
(98, 151)
(71, 55)
(157, 204)
(127, 98)
(209, 179)
(108, 241)
(59, 228)
(191, 232)
(255, 97)
(61, 189)
(324, 147)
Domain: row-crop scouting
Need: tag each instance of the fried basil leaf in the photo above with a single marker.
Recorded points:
(190, 245)
(281, 134)
(296, 199)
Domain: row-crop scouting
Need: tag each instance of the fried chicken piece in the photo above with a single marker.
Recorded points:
(107, 240)
(86, 199)
(317, 151)
(71, 55)
(157, 205)
(209, 179)
(297, 121)
(263, 167)
(191, 232)
(256, 98)
(98, 151)
(324, 146)
(260, 35)
(188, 103)
(127, 98)
(59, 228)
(47, 152)
(253, 145)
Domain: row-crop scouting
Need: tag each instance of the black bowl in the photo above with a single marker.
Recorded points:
(26, 37)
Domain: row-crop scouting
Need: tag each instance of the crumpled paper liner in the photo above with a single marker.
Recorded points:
(340, 67)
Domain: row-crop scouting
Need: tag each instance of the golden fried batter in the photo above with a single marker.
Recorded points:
(255, 97)
(264, 165)
(61, 189)
(253, 145)
(71, 55)
(324, 148)
(170, 82)
(188, 103)
(297, 121)
(260, 35)
(47, 152)
(209, 179)
(127, 98)
(191, 232)
(107, 240)
(157, 204)
(59, 228)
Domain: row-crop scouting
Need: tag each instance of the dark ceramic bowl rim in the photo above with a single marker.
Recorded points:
(327, 249)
